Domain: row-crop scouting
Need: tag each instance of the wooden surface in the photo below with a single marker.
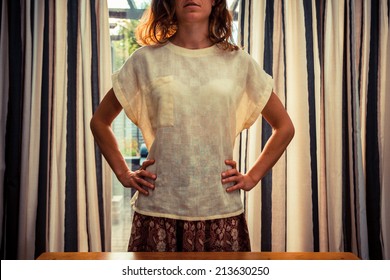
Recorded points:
(199, 256)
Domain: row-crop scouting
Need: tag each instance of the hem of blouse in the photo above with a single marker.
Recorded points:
(186, 218)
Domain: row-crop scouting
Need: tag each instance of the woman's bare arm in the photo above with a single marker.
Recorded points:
(283, 132)
(100, 124)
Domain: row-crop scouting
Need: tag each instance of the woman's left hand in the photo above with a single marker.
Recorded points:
(242, 181)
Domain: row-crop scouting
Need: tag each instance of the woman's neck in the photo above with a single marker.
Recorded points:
(192, 36)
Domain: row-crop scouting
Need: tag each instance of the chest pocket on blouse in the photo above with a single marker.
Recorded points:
(161, 103)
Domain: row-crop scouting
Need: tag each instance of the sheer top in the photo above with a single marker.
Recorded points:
(190, 105)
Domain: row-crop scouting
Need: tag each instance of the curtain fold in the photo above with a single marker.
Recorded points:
(31, 125)
(333, 118)
(299, 198)
(44, 153)
(329, 191)
(266, 182)
(56, 196)
(279, 191)
(384, 89)
(251, 149)
(13, 131)
(4, 101)
(102, 82)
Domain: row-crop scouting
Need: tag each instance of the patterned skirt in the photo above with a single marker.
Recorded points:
(154, 234)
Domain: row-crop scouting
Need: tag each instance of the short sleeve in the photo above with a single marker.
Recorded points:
(258, 90)
(127, 89)
(125, 86)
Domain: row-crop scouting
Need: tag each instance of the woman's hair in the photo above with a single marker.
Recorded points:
(159, 23)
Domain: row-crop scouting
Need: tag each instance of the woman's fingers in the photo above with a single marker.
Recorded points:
(146, 164)
(230, 172)
(232, 176)
(241, 181)
(141, 177)
(237, 180)
(232, 163)
(144, 176)
(140, 180)
(140, 189)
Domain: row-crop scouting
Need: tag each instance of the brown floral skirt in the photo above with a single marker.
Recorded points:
(154, 234)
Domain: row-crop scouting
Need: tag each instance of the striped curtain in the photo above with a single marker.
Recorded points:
(55, 188)
(330, 61)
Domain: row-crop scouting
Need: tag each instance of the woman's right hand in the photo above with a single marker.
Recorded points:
(138, 179)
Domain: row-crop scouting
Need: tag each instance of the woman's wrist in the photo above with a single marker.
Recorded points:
(123, 175)
(253, 178)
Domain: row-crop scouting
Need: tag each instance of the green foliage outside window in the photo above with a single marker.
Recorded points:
(125, 43)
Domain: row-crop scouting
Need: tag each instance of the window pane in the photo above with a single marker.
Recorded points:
(124, 17)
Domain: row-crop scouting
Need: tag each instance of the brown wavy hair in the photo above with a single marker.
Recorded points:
(159, 23)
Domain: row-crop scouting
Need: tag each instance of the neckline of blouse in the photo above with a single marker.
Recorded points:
(192, 52)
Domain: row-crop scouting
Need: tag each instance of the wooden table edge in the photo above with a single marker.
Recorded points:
(198, 256)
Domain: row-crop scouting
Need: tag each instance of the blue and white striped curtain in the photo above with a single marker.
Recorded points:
(55, 192)
(330, 191)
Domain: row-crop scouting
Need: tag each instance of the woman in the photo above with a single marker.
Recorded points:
(190, 91)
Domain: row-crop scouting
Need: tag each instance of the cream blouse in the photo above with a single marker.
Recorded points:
(190, 105)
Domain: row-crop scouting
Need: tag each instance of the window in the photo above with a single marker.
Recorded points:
(124, 16)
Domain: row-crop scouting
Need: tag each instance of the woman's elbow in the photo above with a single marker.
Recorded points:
(287, 131)
(290, 131)
(93, 124)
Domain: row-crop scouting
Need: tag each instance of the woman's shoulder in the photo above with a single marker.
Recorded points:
(243, 54)
(145, 51)
(141, 56)
(240, 54)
